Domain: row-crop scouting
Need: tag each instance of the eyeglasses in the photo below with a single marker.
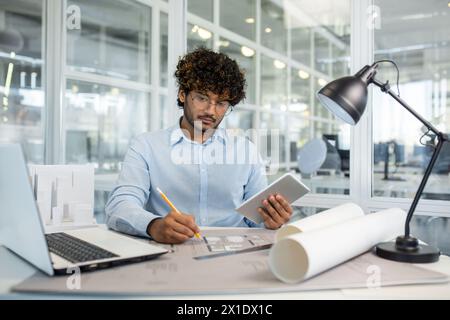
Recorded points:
(203, 102)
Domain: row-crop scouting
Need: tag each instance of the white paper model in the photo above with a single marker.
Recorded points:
(64, 193)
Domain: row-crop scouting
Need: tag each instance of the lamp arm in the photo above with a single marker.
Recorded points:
(442, 138)
(419, 191)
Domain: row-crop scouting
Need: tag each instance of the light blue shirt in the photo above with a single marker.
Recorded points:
(208, 180)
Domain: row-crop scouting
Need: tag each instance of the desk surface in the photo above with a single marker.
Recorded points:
(14, 270)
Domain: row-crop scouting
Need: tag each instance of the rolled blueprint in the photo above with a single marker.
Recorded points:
(303, 255)
(321, 220)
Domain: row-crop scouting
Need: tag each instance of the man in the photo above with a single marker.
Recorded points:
(203, 170)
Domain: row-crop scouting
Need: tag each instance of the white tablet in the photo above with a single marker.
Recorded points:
(287, 185)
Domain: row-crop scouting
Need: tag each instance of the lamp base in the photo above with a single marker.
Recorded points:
(407, 249)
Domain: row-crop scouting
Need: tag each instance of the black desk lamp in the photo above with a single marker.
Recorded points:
(347, 97)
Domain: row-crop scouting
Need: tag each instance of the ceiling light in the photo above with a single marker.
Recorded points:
(247, 52)
(223, 43)
(250, 20)
(8, 79)
(321, 82)
(303, 74)
(279, 64)
(268, 30)
(204, 34)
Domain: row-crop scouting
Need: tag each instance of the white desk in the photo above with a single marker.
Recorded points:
(14, 270)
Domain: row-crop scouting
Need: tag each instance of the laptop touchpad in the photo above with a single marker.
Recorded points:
(115, 243)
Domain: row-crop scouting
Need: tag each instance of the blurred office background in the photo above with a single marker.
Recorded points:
(80, 78)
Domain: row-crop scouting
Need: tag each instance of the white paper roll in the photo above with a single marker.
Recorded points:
(303, 255)
(320, 220)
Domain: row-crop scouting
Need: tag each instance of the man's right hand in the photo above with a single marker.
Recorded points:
(173, 228)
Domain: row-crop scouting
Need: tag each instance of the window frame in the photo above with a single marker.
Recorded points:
(361, 53)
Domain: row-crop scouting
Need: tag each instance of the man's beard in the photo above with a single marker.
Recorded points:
(191, 121)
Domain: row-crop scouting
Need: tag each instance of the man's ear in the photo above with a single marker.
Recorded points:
(182, 96)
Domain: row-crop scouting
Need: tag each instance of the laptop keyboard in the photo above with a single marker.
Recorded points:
(75, 250)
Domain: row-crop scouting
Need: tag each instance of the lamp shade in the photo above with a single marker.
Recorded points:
(346, 97)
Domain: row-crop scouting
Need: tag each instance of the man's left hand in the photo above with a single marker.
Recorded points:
(275, 212)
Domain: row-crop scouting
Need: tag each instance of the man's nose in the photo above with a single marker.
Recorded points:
(211, 109)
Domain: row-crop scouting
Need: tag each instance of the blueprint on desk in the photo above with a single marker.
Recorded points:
(213, 242)
(178, 273)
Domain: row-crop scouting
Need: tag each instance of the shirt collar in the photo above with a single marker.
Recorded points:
(176, 135)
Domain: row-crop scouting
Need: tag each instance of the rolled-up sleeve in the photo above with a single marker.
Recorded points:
(125, 209)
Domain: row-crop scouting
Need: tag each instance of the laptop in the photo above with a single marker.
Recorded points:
(22, 231)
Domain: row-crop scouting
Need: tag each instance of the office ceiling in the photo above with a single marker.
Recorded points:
(415, 33)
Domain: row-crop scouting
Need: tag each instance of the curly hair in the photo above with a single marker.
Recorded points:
(206, 70)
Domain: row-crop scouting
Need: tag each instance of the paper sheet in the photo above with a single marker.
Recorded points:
(177, 273)
(303, 255)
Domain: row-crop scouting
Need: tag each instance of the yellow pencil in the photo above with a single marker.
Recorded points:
(197, 235)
